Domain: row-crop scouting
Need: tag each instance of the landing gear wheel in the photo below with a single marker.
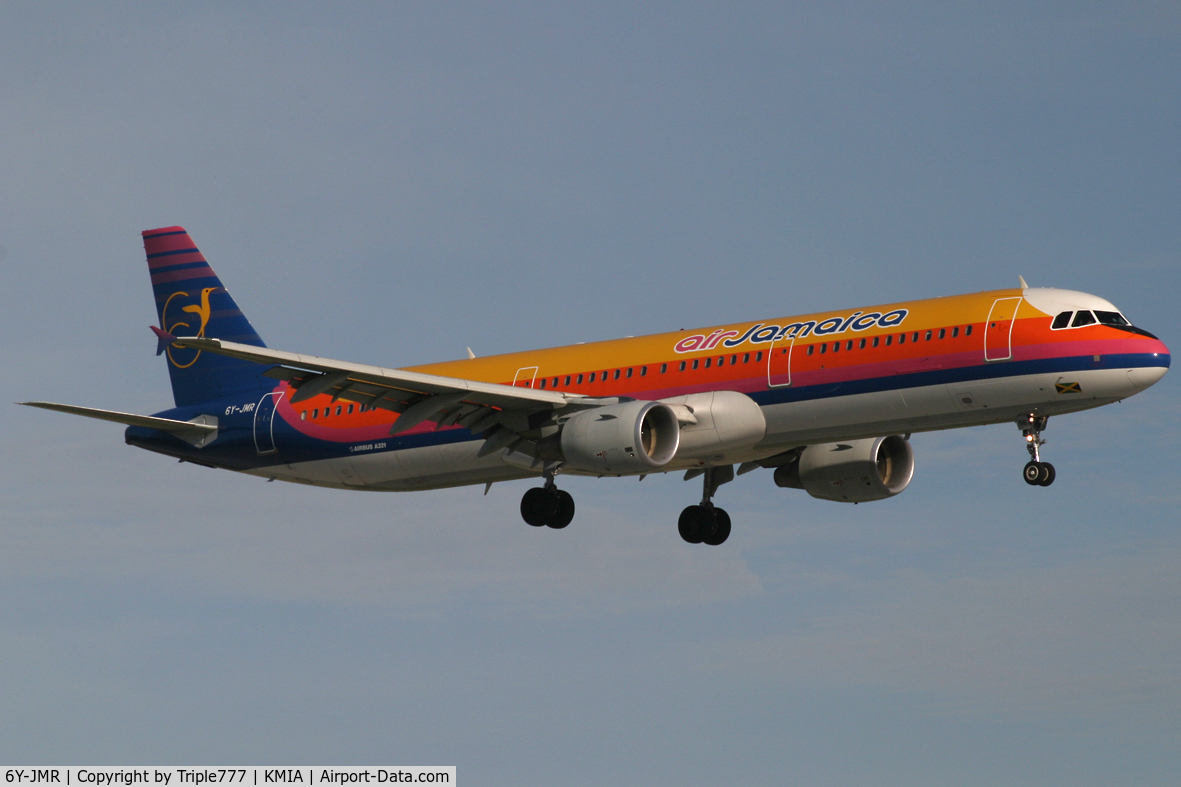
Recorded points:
(1033, 473)
(565, 510)
(1047, 475)
(695, 524)
(538, 506)
(721, 529)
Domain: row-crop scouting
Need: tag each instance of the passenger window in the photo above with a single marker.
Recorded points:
(722, 361)
(696, 362)
(580, 379)
(902, 338)
(889, 340)
(542, 382)
(955, 332)
(942, 332)
(811, 347)
(1081, 319)
(350, 409)
(733, 359)
(876, 339)
(848, 345)
(555, 382)
(663, 368)
(861, 345)
(746, 358)
(303, 416)
(968, 331)
(836, 347)
(616, 375)
(567, 381)
(915, 338)
(592, 377)
(315, 413)
(708, 361)
(824, 348)
(1111, 318)
(339, 408)
(629, 372)
(1061, 321)
(758, 356)
(643, 371)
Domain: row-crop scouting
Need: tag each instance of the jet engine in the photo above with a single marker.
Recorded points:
(856, 471)
(630, 437)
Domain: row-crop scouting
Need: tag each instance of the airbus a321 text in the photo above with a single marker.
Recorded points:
(827, 401)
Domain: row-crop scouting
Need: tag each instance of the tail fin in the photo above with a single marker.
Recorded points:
(191, 301)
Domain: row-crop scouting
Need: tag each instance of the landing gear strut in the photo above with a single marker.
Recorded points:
(706, 523)
(1036, 472)
(547, 505)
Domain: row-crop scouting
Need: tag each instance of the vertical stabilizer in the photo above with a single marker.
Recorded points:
(191, 301)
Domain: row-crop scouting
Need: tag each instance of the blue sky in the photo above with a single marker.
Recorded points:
(392, 183)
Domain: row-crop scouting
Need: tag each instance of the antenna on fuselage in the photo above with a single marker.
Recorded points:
(1020, 278)
(470, 354)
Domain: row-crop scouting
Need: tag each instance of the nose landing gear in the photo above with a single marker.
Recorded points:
(706, 523)
(1036, 472)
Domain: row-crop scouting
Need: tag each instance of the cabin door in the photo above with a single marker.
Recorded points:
(779, 361)
(998, 331)
(264, 423)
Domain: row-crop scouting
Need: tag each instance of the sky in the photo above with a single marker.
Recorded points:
(391, 183)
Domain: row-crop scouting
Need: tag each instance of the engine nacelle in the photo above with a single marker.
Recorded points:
(631, 437)
(856, 471)
(720, 422)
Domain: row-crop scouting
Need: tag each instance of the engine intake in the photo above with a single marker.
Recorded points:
(619, 439)
(857, 471)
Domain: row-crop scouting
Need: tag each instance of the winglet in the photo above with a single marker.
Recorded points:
(1021, 279)
(163, 339)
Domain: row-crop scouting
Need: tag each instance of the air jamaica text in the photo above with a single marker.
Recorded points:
(760, 333)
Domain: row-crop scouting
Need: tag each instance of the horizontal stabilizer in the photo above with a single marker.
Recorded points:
(163, 339)
(199, 432)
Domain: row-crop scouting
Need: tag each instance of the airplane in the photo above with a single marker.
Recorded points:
(826, 401)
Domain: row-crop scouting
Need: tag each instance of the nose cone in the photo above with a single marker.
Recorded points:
(1157, 359)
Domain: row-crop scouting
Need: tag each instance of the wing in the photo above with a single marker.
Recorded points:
(509, 417)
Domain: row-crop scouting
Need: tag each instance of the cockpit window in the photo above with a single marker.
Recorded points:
(1062, 320)
(1082, 318)
(1111, 318)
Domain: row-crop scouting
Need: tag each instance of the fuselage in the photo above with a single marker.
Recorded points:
(897, 368)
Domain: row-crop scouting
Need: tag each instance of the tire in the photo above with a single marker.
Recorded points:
(565, 511)
(1047, 475)
(1032, 473)
(693, 524)
(538, 506)
(721, 529)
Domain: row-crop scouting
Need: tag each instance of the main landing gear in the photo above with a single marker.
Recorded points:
(706, 523)
(1036, 472)
(547, 506)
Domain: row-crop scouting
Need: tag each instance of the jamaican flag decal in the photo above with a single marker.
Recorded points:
(1068, 388)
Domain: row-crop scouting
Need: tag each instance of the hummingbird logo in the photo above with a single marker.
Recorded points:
(201, 311)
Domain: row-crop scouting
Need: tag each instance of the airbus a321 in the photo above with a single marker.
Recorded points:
(826, 401)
